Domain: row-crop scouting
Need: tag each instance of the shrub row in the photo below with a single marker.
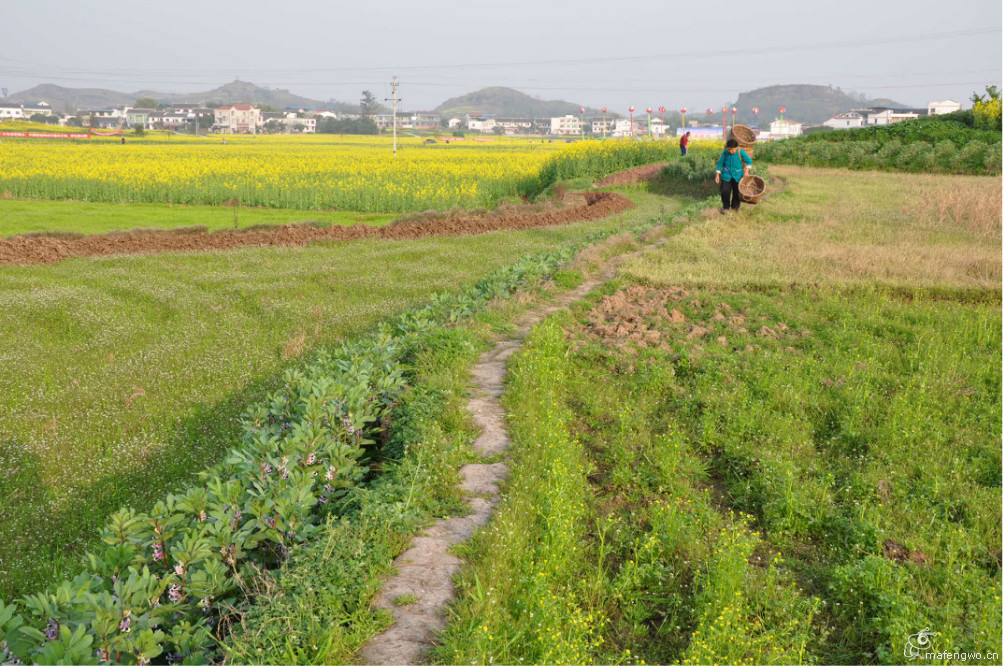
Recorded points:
(945, 156)
(164, 580)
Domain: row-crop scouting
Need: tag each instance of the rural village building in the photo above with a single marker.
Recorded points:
(140, 117)
(237, 119)
(847, 120)
(21, 110)
(781, 129)
(566, 126)
(946, 106)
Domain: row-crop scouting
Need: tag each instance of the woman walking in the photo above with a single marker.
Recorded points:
(732, 166)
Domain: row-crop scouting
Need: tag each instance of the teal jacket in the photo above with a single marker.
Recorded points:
(730, 165)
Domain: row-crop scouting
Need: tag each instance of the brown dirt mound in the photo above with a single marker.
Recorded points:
(632, 176)
(44, 250)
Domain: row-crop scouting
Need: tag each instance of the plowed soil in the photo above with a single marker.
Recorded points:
(44, 250)
(632, 176)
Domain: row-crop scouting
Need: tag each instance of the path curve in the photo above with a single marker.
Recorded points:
(427, 568)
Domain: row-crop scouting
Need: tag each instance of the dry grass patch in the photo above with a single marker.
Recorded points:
(847, 227)
(972, 204)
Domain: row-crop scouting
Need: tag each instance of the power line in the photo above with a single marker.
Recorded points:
(151, 74)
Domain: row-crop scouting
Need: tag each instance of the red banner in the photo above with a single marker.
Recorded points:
(100, 132)
(45, 135)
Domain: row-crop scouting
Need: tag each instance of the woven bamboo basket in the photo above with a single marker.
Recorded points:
(751, 189)
(745, 136)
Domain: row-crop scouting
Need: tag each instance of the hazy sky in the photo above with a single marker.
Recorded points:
(593, 52)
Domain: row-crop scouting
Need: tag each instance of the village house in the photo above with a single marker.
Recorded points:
(887, 115)
(782, 129)
(140, 118)
(566, 126)
(847, 120)
(945, 106)
(22, 110)
(515, 125)
(237, 119)
(11, 112)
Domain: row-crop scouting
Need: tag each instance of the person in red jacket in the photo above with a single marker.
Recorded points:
(684, 142)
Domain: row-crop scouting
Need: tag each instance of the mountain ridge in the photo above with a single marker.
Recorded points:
(805, 103)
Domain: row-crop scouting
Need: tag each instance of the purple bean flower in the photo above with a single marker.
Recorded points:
(52, 629)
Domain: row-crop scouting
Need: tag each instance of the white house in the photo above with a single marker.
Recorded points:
(486, 125)
(946, 106)
(848, 120)
(622, 128)
(31, 108)
(781, 129)
(659, 128)
(602, 125)
(237, 119)
(11, 111)
(454, 123)
(294, 123)
(566, 126)
(886, 115)
(515, 125)
(140, 117)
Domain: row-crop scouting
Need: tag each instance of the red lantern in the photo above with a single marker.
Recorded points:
(724, 109)
(649, 109)
(581, 110)
(604, 109)
(755, 110)
(682, 110)
(710, 111)
(661, 109)
(734, 110)
(631, 109)
(782, 109)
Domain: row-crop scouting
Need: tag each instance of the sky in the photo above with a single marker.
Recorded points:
(592, 52)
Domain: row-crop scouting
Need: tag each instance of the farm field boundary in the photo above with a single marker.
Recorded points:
(427, 568)
(44, 249)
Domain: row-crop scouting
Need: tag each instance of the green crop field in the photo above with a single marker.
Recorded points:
(121, 377)
(774, 439)
(20, 217)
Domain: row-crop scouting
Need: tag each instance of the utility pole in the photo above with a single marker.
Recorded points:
(395, 100)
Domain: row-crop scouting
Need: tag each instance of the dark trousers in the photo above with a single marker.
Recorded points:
(683, 149)
(729, 194)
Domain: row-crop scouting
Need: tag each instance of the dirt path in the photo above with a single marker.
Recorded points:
(632, 176)
(426, 569)
(46, 249)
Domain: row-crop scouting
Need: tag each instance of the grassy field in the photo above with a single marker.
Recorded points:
(121, 377)
(20, 216)
(846, 227)
(775, 439)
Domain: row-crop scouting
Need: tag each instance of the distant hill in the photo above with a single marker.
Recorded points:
(70, 99)
(237, 92)
(804, 103)
(508, 102)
